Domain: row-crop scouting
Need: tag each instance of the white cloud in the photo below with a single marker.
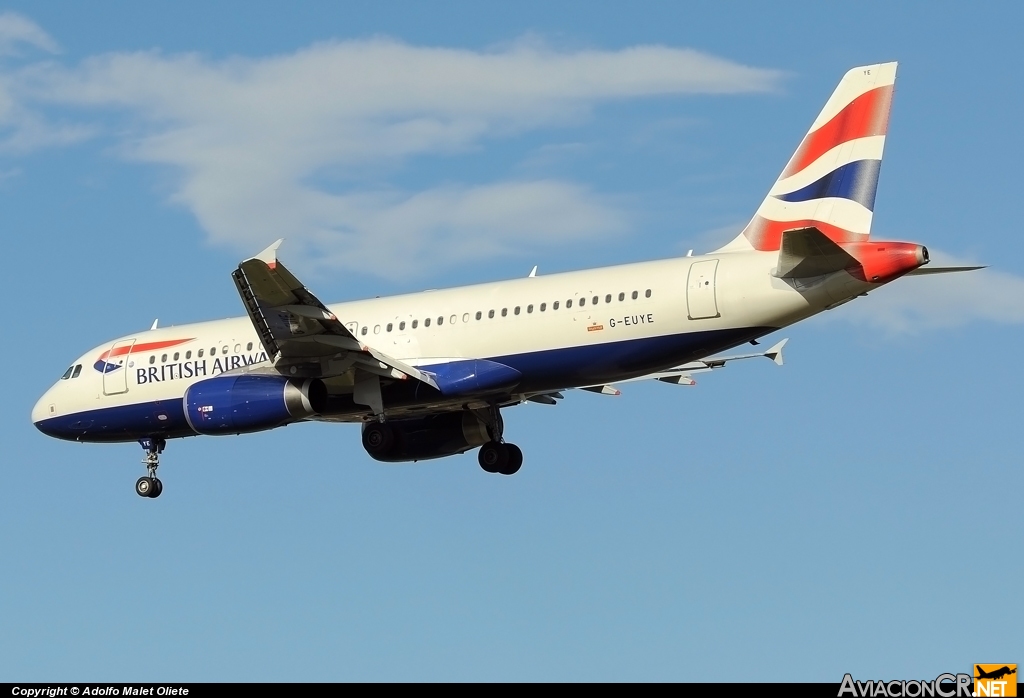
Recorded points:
(918, 303)
(15, 30)
(253, 138)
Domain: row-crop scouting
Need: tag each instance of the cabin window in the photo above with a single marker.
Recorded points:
(594, 300)
(152, 360)
(543, 307)
(583, 302)
(415, 323)
(440, 320)
(364, 330)
(390, 327)
(163, 358)
(199, 355)
(554, 306)
(516, 311)
(648, 293)
(238, 350)
(504, 312)
(78, 370)
(224, 350)
(213, 351)
(635, 294)
(622, 296)
(248, 347)
(479, 315)
(426, 323)
(401, 325)
(490, 313)
(608, 298)
(376, 329)
(176, 355)
(529, 308)
(188, 354)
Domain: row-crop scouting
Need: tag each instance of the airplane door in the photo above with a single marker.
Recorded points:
(115, 368)
(700, 290)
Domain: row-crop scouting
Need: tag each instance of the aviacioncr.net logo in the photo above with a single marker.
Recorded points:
(942, 686)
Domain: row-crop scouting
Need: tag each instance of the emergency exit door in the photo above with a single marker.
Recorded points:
(115, 368)
(700, 290)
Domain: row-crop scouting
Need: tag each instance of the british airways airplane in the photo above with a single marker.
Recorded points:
(427, 374)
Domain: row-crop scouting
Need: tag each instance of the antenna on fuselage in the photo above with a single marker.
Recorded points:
(155, 323)
(534, 272)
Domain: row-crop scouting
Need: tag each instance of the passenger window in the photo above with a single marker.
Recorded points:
(224, 351)
(554, 306)
(248, 347)
(390, 326)
(213, 351)
(594, 300)
(152, 359)
(583, 302)
(78, 370)
(238, 350)
(635, 294)
(364, 330)
(440, 320)
(648, 293)
(401, 325)
(529, 308)
(376, 329)
(504, 312)
(622, 296)
(163, 358)
(67, 374)
(479, 315)
(608, 298)
(516, 311)
(490, 313)
(543, 307)
(199, 355)
(568, 303)
(465, 317)
(176, 355)
(426, 323)
(415, 323)
(188, 354)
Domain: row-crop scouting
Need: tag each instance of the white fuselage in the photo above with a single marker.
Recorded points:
(564, 330)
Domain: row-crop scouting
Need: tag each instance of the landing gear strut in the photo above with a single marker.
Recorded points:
(150, 486)
(497, 456)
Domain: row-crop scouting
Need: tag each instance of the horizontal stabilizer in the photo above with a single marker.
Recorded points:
(922, 271)
(807, 252)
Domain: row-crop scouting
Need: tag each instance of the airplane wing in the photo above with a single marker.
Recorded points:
(682, 375)
(300, 335)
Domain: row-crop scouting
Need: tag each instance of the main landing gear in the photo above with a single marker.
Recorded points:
(497, 456)
(150, 486)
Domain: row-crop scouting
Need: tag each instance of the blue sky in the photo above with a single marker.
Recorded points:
(850, 511)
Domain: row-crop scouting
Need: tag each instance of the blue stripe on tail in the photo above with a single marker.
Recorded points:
(856, 181)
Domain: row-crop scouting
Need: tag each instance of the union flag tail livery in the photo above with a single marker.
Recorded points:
(426, 375)
(830, 181)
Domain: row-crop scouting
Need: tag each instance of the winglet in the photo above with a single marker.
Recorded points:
(775, 353)
(269, 255)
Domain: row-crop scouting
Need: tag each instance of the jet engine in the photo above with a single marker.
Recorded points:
(252, 402)
(435, 436)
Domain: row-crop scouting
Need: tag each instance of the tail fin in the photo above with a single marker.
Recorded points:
(831, 179)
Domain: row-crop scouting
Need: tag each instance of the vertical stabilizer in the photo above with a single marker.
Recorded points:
(830, 181)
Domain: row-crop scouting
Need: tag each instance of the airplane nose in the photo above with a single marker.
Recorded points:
(43, 409)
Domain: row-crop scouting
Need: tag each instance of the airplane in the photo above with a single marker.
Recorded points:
(996, 674)
(428, 374)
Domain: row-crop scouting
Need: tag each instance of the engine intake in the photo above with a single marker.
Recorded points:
(435, 436)
(248, 403)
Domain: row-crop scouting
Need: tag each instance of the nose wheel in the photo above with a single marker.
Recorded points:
(149, 485)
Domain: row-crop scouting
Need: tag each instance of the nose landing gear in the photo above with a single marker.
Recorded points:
(150, 486)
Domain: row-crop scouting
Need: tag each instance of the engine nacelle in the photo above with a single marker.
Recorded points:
(436, 436)
(251, 402)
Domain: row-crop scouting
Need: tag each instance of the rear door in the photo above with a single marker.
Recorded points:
(700, 290)
(115, 367)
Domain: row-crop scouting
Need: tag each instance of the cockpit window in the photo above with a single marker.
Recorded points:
(78, 369)
(67, 374)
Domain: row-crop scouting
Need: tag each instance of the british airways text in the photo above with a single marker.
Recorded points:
(195, 369)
